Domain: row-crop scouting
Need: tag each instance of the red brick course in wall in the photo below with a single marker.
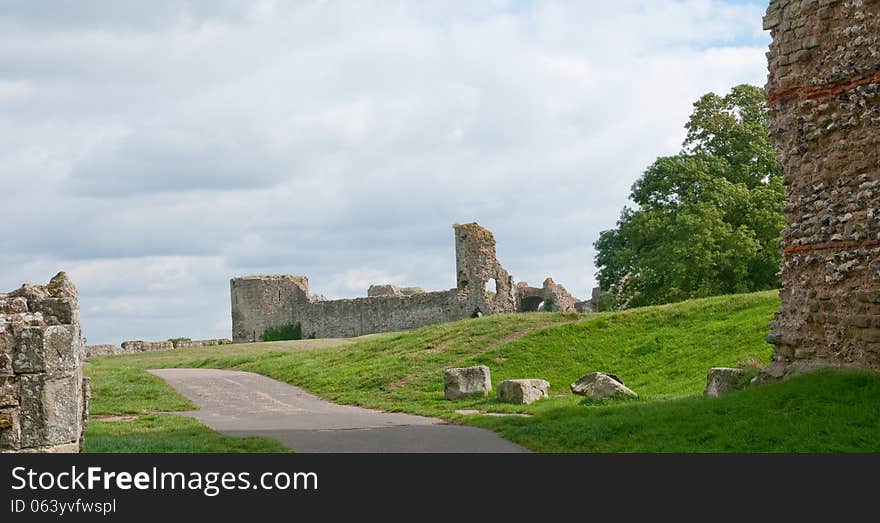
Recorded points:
(823, 94)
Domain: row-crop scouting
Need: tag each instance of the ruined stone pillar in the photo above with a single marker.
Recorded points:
(476, 264)
(823, 93)
(43, 395)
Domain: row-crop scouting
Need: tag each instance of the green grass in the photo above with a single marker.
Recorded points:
(168, 433)
(661, 352)
(821, 412)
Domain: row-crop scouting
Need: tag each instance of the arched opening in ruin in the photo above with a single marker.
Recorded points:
(477, 313)
(531, 304)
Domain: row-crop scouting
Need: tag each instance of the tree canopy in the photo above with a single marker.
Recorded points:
(707, 220)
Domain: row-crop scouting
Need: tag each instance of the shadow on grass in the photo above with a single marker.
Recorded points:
(163, 433)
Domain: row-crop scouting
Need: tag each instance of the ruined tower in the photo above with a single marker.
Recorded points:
(823, 93)
(476, 264)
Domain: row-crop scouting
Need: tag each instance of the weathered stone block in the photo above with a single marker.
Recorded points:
(522, 391)
(467, 381)
(28, 354)
(598, 385)
(51, 409)
(724, 379)
(17, 305)
(10, 430)
(49, 349)
(9, 387)
(63, 310)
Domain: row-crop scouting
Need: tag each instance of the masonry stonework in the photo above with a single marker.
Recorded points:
(823, 95)
(261, 302)
(43, 394)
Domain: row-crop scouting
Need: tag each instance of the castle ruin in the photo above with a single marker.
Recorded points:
(263, 302)
(44, 397)
(823, 93)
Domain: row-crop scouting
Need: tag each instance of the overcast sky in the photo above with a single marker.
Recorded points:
(153, 150)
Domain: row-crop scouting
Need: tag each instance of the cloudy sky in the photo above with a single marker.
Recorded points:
(153, 150)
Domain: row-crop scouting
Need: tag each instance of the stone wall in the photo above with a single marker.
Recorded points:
(359, 316)
(43, 394)
(824, 98)
(531, 299)
(392, 290)
(562, 300)
(102, 350)
(192, 344)
(260, 302)
(145, 346)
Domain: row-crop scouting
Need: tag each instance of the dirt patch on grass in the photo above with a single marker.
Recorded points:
(111, 418)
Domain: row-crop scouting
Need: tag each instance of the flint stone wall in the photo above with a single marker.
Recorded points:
(823, 94)
(43, 395)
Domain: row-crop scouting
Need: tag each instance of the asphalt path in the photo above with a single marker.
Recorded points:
(247, 404)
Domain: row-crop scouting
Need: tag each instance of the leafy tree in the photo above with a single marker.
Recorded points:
(707, 220)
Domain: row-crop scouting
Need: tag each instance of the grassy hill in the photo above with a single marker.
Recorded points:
(661, 352)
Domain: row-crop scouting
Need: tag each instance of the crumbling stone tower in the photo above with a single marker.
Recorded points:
(476, 264)
(43, 395)
(823, 93)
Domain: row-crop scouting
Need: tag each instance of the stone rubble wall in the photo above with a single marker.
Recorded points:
(823, 95)
(192, 344)
(563, 301)
(102, 350)
(43, 394)
(145, 346)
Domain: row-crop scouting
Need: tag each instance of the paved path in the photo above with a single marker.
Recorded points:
(248, 404)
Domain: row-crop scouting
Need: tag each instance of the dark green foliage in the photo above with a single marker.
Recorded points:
(549, 306)
(605, 303)
(175, 341)
(283, 333)
(707, 221)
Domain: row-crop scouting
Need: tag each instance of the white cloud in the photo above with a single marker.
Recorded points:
(155, 150)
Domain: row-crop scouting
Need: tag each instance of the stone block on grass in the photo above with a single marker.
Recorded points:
(466, 382)
(598, 385)
(522, 392)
